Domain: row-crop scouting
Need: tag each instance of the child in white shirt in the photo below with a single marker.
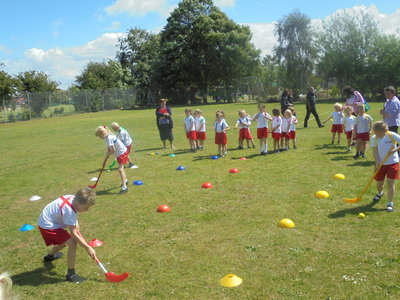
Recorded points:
(200, 124)
(276, 129)
(292, 128)
(126, 139)
(190, 129)
(221, 139)
(244, 122)
(262, 118)
(362, 128)
(337, 126)
(349, 121)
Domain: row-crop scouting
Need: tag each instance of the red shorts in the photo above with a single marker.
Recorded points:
(292, 135)
(389, 171)
(54, 236)
(244, 134)
(337, 128)
(191, 135)
(221, 138)
(262, 133)
(123, 158)
(285, 135)
(128, 149)
(201, 135)
(363, 136)
(276, 136)
(349, 134)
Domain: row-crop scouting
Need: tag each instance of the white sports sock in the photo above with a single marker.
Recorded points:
(266, 147)
(390, 204)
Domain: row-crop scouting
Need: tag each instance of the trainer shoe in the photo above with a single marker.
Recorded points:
(321, 126)
(240, 147)
(356, 156)
(123, 191)
(377, 197)
(50, 258)
(75, 278)
(390, 208)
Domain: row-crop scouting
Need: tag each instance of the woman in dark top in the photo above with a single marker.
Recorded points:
(310, 105)
(286, 100)
(164, 123)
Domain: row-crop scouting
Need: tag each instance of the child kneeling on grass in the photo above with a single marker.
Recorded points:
(62, 213)
(384, 142)
(116, 147)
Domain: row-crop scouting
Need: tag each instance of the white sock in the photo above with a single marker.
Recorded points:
(266, 147)
(380, 194)
(390, 204)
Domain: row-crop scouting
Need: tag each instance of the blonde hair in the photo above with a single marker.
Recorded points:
(85, 196)
(338, 105)
(115, 126)
(242, 111)
(380, 126)
(360, 105)
(221, 112)
(348, 109)
(102, 131)
(198, 111)
(289, 112)
(5, 286)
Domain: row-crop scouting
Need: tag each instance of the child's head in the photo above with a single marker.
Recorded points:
(261, 107)
(276, 112)
(197, 113)
(337, 106)
(102, 132)
(360, 109)
(219, 116)
(84, 199)
(163, 101)
(5, 286)
(288, 114)
(291, 107)
(242, 113)
(188, 112)
(222, 113)
(348, 110)
(380, 128)
(115, 126)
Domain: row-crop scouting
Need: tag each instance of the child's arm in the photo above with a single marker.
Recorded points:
(330, 118)
(376, 157)
(110, 150)
(255, 117)
(81, 241)
(237, 124)
(227, 128)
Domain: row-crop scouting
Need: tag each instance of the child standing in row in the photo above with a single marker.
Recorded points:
(276, 129)
(200, 124)
(190, 129)
(349, 122)
(337, 126)
(292, 128)
(362, 128)
(262, 118)
(244, 122)
(221, 139)
(116, 147)
(285, 137)
(126, 139)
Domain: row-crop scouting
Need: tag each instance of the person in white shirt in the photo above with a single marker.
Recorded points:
(118, 149)
(262, 118)
(349, 121)
(276, 129)
(200, 125)
(287, 118)
(190, 129)
(292, 127)
(337, 126)
(244, 122)
(60, 214)
(221, 139)
(385, 143)
(362, 128)
(126, 139)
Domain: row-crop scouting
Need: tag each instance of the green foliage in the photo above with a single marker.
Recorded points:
(8, 86)
(11, 118)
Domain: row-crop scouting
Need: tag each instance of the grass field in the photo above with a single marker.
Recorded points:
(231, 228)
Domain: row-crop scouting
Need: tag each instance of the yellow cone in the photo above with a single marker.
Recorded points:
(231, 280)
(286, 223)
(321, 194)
(361, 215)
(339, 177)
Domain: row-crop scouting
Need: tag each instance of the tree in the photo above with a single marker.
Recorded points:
(296, 49)
(138, 52)
(8, 87)
(39, 85)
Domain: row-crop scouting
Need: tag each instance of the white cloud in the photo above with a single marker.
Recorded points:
(225, 3)
(114, 25)
(5, 49)
(139, 7)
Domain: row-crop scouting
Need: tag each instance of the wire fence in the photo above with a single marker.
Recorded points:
(31, 105)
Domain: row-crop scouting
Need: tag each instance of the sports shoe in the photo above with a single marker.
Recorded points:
(356, 156)
(123, 191)
(377, 197)
(48, 258)
(348, 150)
(294, 147)
(75, 278)
(390, 208)
(321, 126)
(240, 147)
(132, 166)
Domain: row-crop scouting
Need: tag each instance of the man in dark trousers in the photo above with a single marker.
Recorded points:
(310, 105)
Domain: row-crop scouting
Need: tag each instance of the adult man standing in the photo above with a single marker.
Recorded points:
(391, 111)
(310, 105)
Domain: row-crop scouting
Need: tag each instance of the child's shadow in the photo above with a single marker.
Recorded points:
(362, 164)
(42, 275)
(356, 210)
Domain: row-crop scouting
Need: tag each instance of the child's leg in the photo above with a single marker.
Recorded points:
(224, 149)
(265, 141)
(201, 144)
(287, 142)
(56, 248)
(294, 143)
(252, 143)
(72, 245)
(129, 160)
(363, 146)
(220, 149)
(333, 137)
(349, 143)
(391, 190)
(338, 137)
(121, 172)
(171, 144)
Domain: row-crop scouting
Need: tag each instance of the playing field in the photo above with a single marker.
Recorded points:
(231, 228)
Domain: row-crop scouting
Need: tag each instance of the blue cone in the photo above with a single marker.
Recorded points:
(138, 182)
(26, 227)
(214, 157)
(181, 168)
(172, 155)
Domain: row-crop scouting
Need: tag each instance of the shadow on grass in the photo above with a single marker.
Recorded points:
(203, 157)
(104, 192)
(329, 146)
(335, 152)
(37, 277)
(341, 158)
(362, 164)
(151, 149)
(248, 156)
(356, 210)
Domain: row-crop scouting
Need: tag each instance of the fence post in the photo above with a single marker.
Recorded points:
(87, 103)
(50, 105)
(4, 111)
(103, 100)
(29, 106)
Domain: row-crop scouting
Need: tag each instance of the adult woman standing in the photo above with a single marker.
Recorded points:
(310, 106)
(286, 100)
(353, 98)
(391, 111)
(164, 123)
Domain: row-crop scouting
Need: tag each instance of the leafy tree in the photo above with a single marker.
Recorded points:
(296, 49)
(8, 87)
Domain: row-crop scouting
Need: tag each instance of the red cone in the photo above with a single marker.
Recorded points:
(163, 208)
(207, 185)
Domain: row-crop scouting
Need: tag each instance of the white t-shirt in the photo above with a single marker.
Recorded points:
(384, 144)
(112, 140)
(262, 119)
(286, 124)
(220, 126)
(293, 124)
(52, 217)
(337, 117)
(189, 124)
(349, 123)
(277, 121)
(124, 136)
(244, 122)
(200, 124)
(363, 123)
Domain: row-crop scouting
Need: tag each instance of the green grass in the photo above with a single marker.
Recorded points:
(231, 228)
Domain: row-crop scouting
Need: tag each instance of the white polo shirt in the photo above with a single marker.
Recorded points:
(262, 119)
(112, 140)
(363, 123)
(220, 126)
(384, 144)
(124, 136)
(277, 121)
(189, 124)
(337, 117)
(349, 123)
(52, 217)
(244, 122)
(293, 124)
(286, 124)
(200, 124)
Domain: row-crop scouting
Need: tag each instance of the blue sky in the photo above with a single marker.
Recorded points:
(60, 37)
